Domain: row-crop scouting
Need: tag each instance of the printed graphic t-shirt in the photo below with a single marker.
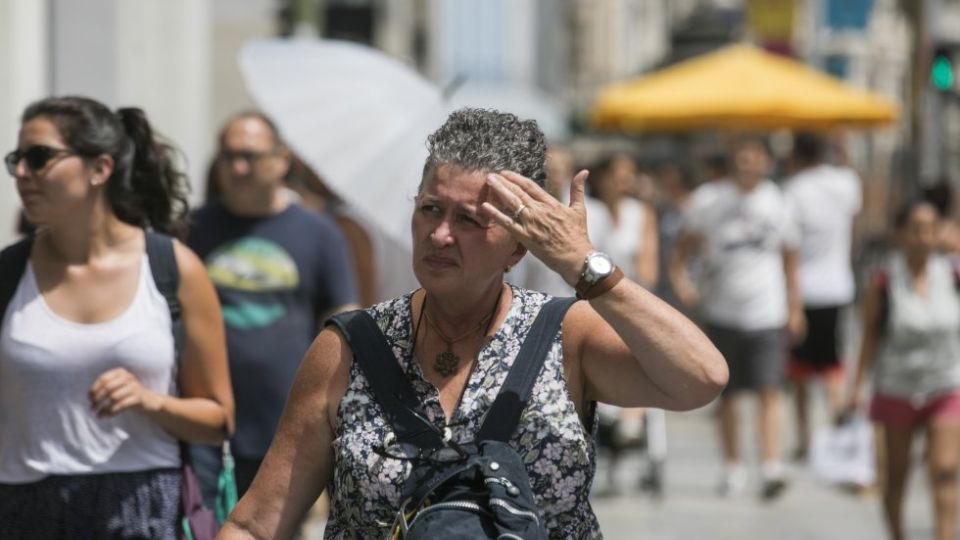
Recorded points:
(742, 282)
(275, 276)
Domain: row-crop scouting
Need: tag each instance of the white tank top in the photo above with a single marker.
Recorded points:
(625, 239)
(919, 356)
(47, 366)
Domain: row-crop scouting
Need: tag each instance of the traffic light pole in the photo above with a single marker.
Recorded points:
(916, 13)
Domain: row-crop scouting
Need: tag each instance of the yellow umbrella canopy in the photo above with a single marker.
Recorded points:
(739, 87)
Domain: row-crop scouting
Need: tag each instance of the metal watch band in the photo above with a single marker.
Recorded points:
(586, 291)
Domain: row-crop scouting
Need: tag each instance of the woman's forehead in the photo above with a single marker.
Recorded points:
(450, 181)
(40, 128)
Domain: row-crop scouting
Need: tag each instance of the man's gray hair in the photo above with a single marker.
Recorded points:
(488, 140)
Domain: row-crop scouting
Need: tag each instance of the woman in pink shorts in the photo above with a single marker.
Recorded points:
(911, 343)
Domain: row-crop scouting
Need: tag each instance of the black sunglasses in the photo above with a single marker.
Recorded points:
(36, 156)
(227, 156)
(402, 449)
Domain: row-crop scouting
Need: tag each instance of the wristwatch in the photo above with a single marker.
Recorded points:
(598, 275)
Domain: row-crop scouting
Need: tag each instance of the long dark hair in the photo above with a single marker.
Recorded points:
(145, 189)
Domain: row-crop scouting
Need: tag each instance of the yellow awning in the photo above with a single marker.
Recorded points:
(738, 87)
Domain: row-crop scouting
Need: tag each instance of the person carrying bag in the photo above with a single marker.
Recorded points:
(480, 490)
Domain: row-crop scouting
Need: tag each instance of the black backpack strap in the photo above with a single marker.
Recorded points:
(13, 263)
(387, 380)
(166, 274)
(504, 414)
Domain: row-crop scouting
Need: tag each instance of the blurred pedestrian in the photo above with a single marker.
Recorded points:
(379, 261)
(911, 346)
(824, 201)
(279, 271)
(92, 397)
(714, 166)
(940, 195)
(746, 297)
(630, 236)
(632, 228)
(675, 185)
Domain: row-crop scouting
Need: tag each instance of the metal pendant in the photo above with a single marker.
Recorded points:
(446, 362)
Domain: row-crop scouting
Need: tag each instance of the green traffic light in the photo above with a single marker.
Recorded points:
(941, 74)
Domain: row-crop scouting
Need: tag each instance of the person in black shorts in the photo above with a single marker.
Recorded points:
(824, 199)
(817, 356)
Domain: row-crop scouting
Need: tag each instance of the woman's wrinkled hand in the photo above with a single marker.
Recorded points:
(118, 390)
(554, 232)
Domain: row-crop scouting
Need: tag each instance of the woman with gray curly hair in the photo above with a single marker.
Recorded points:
(480, 208)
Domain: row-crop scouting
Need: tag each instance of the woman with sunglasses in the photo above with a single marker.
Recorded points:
(93, 399)
(479, 208)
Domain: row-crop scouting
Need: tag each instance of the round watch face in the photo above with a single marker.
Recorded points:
(600, 266)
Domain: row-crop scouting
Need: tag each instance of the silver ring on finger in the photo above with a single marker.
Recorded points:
(516, 214)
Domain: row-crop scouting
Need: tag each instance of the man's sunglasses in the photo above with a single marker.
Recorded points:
(228, 157)
(36, 156)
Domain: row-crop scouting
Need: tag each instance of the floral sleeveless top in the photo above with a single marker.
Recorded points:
(557, 450)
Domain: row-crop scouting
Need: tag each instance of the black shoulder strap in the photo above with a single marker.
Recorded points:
(13, 263)
(396, 397)
(501, 419)
(163, 266)
(387, 380)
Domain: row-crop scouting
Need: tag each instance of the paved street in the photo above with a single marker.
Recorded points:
(691, 509)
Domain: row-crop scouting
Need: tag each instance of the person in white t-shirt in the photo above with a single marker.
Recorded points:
(746, 296)
(825, 199)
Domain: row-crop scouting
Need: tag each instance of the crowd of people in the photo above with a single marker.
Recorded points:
(138, 334)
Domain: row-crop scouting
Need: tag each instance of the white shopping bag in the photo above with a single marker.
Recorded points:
(844, 454)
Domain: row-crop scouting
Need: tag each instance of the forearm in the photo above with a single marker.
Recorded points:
(276, 502)
(648, 257)
(869, 341)
(646, 264)
(868, 350)
(250, 521)
(670, 349)
(299, 463)
(680, 280)
(678, 276)
(195, 420)
(233, 531)
(794, 297)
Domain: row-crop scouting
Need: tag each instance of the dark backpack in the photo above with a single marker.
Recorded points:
(483, 491)
(198, 522)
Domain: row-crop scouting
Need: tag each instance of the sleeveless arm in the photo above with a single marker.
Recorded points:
(203, 412)
(299, 463)
(634, 350)
(647, 257)
(872, 317)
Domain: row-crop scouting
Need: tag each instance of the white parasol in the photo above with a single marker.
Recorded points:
(355, 115)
